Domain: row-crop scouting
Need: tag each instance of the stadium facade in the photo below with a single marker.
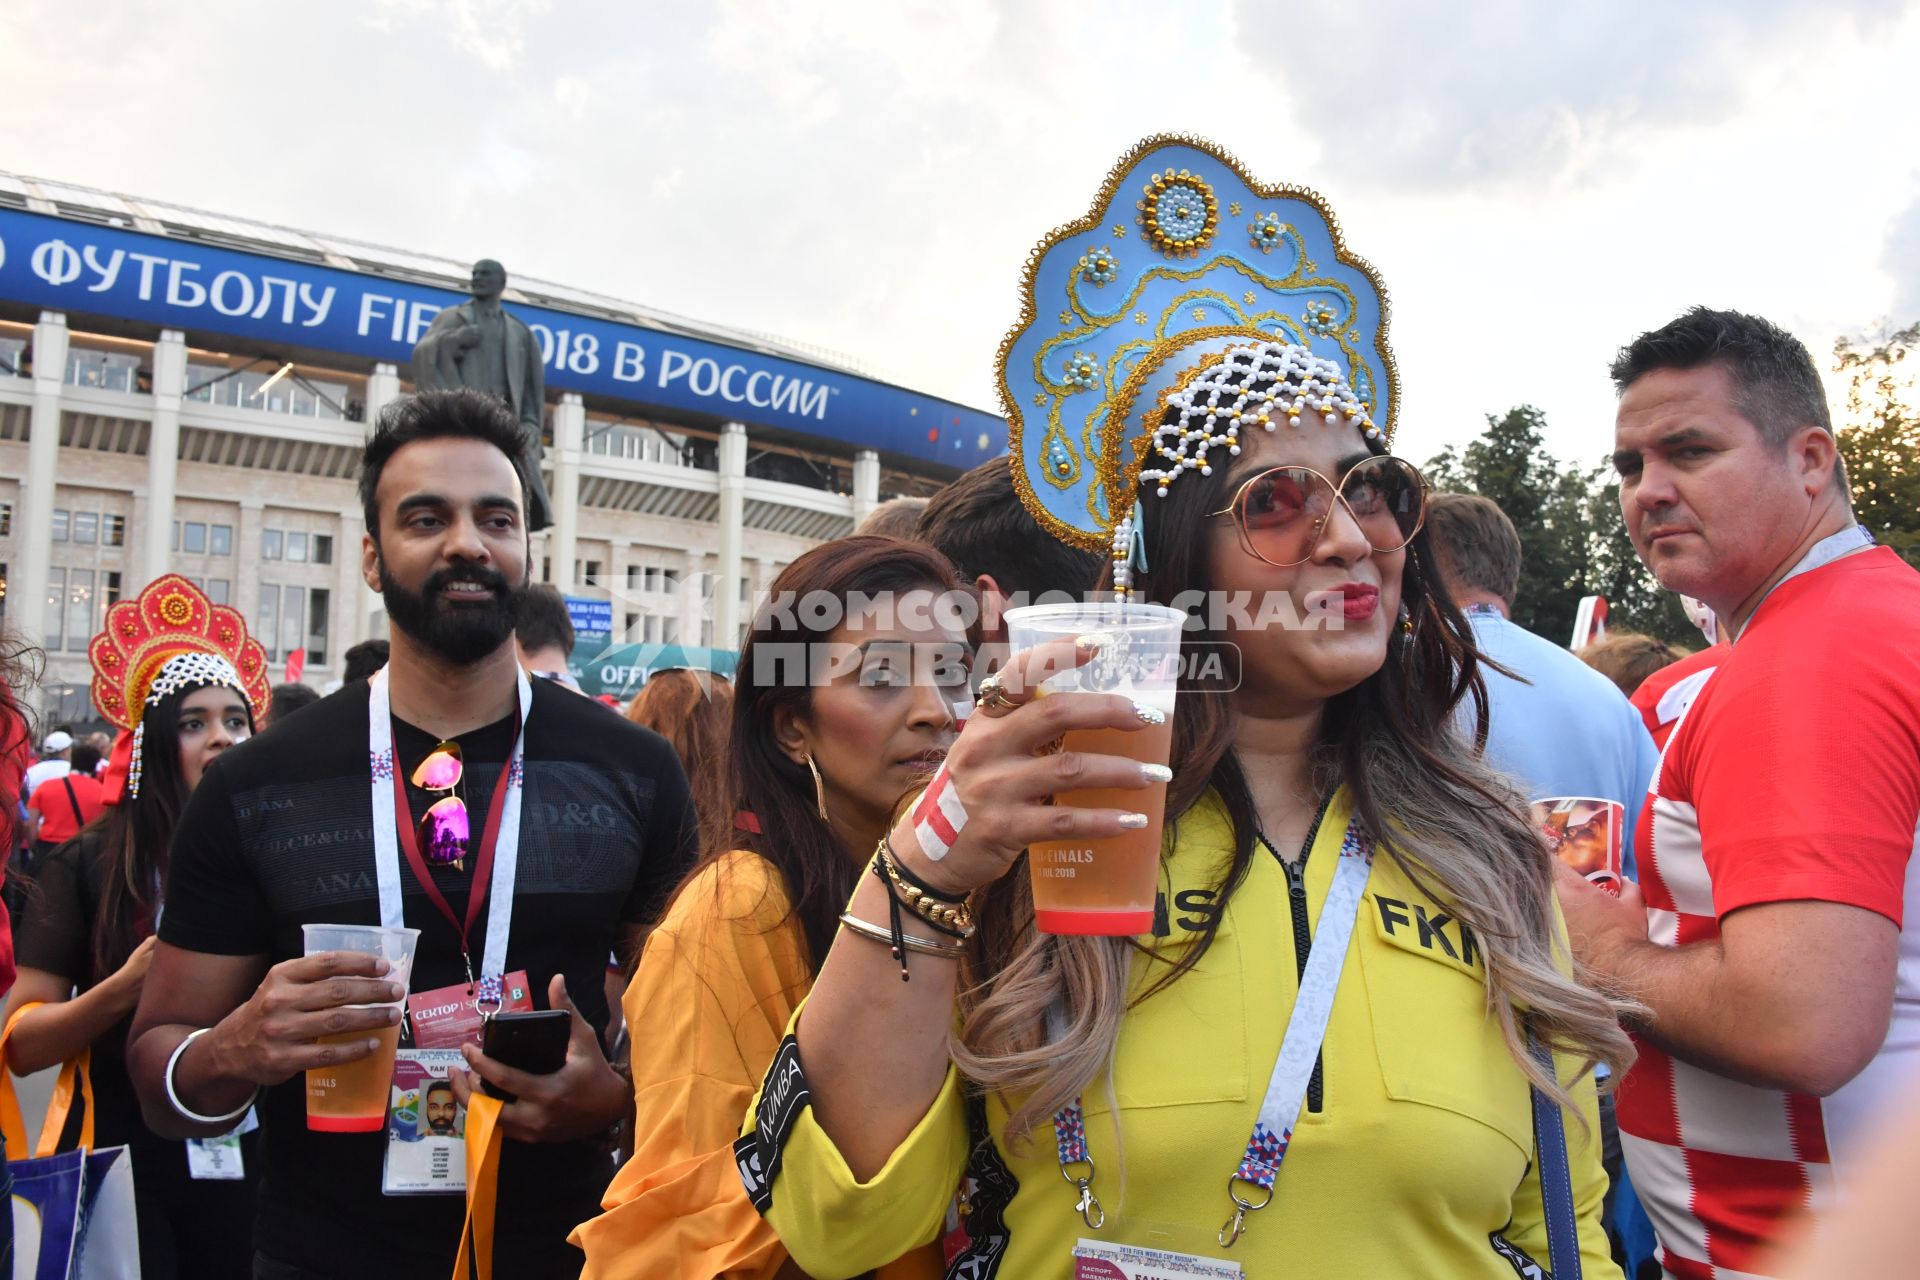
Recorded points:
(187, 391)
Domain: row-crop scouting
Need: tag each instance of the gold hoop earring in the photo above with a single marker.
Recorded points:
(819, 786)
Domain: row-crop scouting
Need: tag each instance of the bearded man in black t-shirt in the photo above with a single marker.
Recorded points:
(284, 831)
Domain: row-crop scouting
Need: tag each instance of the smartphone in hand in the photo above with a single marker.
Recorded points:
(534, 1042)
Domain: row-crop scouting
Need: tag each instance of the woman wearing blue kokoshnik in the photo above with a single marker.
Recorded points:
(1352, 1044)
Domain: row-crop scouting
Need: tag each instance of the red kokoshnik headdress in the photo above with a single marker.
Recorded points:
(168, 638)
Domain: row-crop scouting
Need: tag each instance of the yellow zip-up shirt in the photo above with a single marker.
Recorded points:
(1417, 1161)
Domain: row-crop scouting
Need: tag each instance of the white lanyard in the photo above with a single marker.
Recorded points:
(1819, 556)
(386, 838)
(1292, 1070)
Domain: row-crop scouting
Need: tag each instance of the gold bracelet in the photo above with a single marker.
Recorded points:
(954, 918)
(925, 946)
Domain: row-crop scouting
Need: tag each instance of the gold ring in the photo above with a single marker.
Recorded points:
(994, 700)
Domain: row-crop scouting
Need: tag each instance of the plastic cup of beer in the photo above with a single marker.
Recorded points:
(351, 1097)
(1106, 886)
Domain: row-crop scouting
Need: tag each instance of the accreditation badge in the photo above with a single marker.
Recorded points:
(220, 1159)
(426, 1126)
(448, 1017)
(1109, 1260)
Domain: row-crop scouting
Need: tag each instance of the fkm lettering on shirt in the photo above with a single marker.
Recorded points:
(1404, 921)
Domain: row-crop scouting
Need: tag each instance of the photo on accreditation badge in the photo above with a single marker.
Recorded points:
(1584, 833)
(426, 1126)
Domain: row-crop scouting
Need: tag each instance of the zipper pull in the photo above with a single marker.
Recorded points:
(1296, 879)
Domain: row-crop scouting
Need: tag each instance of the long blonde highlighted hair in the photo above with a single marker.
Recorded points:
(1450, 822)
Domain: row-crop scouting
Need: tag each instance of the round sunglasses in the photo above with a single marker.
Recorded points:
(1283, 511)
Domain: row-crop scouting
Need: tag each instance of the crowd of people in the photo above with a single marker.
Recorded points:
(812, 1031)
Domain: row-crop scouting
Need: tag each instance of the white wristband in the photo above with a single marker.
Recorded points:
(188, 1113)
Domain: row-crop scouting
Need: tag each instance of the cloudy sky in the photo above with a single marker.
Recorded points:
(1536, 182)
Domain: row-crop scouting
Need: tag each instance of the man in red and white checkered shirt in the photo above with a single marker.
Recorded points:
(1771, 950)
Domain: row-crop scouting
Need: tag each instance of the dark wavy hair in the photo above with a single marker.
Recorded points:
(136, 834)
(434, 415)
(820, 871)
(20, 667)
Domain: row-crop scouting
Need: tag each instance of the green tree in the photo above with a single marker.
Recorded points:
(1881, 439)
(1547, 502)
(1635, 602)
(1573, 538)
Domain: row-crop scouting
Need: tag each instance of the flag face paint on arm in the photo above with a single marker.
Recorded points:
(939, 816)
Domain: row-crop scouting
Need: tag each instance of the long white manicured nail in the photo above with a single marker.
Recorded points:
(1156, 773)
(1149, 714)
(1133, 821)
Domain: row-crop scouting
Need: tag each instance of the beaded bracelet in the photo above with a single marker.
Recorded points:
(946, 912)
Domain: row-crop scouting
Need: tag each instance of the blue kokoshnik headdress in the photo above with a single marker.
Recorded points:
(1191, 287)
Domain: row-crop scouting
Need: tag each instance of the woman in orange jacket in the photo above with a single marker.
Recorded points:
(835, 719)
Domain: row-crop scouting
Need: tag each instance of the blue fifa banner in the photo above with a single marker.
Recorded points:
(590, 617)
(73, 266)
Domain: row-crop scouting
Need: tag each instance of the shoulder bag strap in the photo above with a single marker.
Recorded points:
(1556, 1178)
(76, 1071)
(483, 1175)
(79, 818)
(11, 1124)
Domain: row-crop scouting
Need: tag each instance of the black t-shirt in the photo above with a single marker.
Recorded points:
(279, 834)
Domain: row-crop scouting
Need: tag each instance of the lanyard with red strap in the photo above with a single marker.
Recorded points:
(483, 856)
(497, 860)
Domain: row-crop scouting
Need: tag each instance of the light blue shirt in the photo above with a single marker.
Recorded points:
(1569, 732)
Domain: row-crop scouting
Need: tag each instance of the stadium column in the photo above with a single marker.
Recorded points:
(569, 438)
(163, 454)
(733, 518)
(866, 484)
(689, 604)
(254, 573)
(34, 521)
(349, 623)
(383, 388)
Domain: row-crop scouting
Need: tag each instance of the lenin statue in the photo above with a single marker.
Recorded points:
(480, 344)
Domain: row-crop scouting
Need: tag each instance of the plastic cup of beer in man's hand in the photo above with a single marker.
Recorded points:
(1106, 886)
(351, 1097)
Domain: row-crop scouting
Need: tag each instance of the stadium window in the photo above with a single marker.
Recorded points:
(79, 609)
(220, 540)
(193, 538)
(113, 531)
(317, 616)
(270, 544)
(56, 609)
(266, 625)
(61, 518)
(293, 619)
